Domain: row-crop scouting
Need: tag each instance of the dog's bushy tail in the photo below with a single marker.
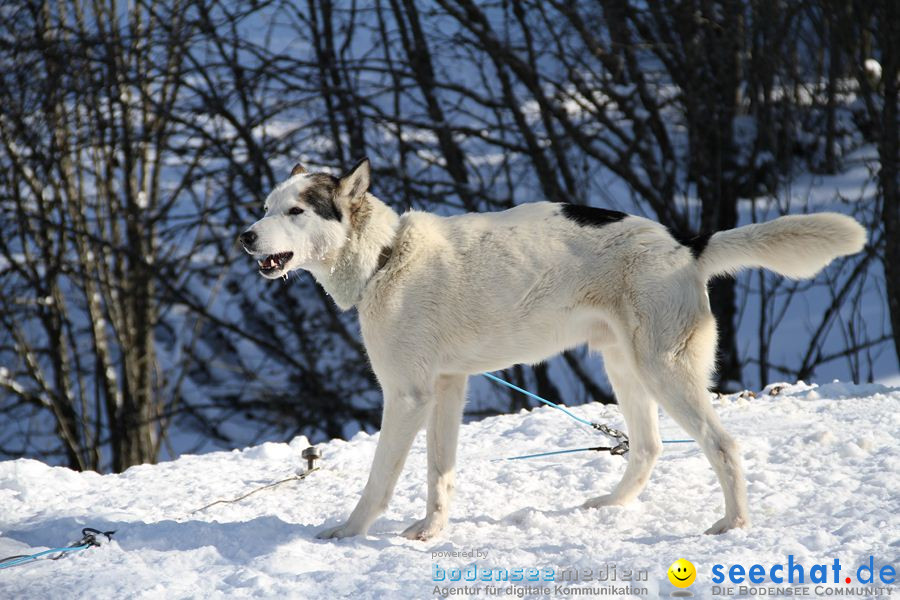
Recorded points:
(796, 246)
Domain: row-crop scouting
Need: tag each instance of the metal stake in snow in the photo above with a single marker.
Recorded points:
(312, 455)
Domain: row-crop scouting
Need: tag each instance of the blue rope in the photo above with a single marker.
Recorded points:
(30, 557)
(592, 449)
(544, 454)
(536, 397)
(558, 407)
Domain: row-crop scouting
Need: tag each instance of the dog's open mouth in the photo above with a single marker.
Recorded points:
(274, 262)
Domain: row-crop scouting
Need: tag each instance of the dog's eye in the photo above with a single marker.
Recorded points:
(296, 211)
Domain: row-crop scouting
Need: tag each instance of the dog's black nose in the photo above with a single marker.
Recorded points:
(247, 238)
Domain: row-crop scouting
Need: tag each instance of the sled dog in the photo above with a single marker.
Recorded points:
(442, 298)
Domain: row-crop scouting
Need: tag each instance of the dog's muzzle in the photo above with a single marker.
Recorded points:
(271, 264)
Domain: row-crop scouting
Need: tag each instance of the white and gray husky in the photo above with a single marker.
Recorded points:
(442, 298)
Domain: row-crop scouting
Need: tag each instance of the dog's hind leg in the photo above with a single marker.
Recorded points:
(642, 420)
(442, 436)
(678, 380)
(404, 415)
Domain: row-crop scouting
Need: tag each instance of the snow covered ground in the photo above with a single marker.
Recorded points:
(822, 464)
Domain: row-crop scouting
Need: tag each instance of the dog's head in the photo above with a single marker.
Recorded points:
(307, 220)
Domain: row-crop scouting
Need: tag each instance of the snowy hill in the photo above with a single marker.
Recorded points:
(822, 464)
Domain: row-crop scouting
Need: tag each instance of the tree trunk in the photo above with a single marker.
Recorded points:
(888, 149)
(834, 74)
(714, 106)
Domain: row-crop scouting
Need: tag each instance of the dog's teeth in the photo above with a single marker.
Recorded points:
(267, 263)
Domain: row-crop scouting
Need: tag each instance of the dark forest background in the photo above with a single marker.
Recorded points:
(137, 139)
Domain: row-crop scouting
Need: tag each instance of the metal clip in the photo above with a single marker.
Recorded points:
(622, 438)
(620, 449)
(90, 536)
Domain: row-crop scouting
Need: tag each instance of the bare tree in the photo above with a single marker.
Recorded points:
(882, 18)
(83, 153)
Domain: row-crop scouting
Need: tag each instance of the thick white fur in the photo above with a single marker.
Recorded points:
(796, 246)
(480, 292)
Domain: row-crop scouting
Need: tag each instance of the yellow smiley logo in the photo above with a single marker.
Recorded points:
(682, 573)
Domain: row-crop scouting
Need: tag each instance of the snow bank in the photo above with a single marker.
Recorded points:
(822, 464)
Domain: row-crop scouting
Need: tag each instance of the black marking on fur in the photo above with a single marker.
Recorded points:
(695, 243)
(320, 196)
(589, 216)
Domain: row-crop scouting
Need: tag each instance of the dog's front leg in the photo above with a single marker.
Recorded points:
(443, 435)
(403, 416)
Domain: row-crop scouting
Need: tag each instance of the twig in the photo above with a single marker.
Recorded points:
(259, 489)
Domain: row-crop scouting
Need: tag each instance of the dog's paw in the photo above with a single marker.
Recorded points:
(607, 500)
(727, 523)
(341, 531)
(424, 529)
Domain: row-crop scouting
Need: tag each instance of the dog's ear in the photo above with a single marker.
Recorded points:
(355, 183)
(298, 170)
